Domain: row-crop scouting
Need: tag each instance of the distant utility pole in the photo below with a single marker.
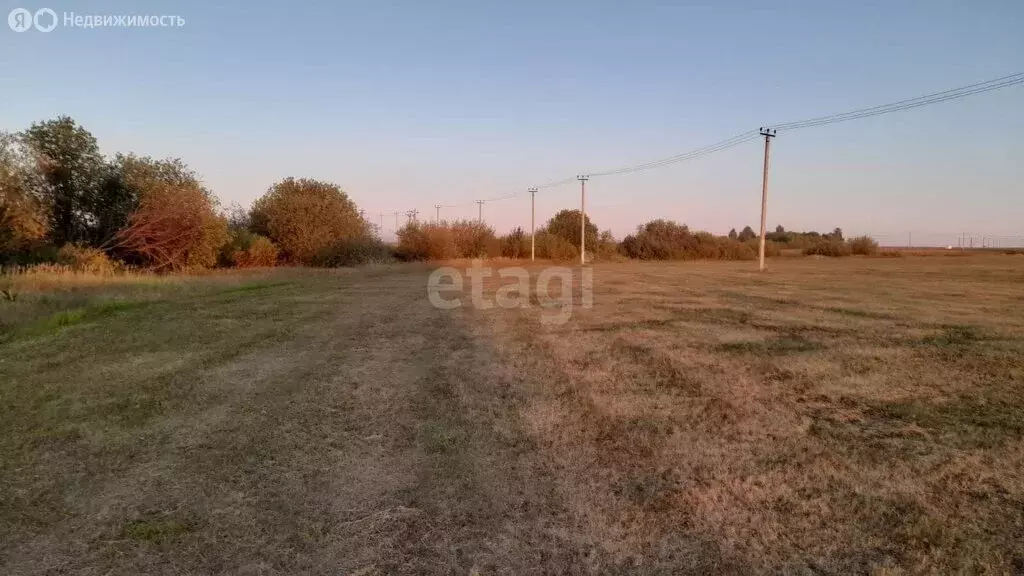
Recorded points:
(361, 212)
(768, 134)
(910, 239)
(533, 219)
(411, 215)
(381, 229)
(480, 211)
(437, 207)
(396, 221)
(583, 217)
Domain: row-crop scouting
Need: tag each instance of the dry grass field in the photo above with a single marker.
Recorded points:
(843, 416)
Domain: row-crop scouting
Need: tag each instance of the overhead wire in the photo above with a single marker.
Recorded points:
(934, 98)
(743, 137)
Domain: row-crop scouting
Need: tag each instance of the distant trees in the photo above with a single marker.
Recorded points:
(447, 240)
(667, 240)
(304, 216)
(62, 201)
(566, 225)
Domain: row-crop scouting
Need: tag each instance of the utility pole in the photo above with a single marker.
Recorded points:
(361, 212)
(396, 221)
(411, 215)
(533, 219)
(437, 207)
(380, 230)
(583, 217)
(768, 134)
(910, 239)
(480, 211)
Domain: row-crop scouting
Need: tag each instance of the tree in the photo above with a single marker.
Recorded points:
(175, 227)
(837, 234)
(566, 225)
(747, 234)
(733, 235)
(68, 159)
(23, 217)
(305, 216)
(779, 229)
(171, 221)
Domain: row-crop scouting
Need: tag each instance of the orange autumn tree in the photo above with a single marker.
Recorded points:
(176, 225)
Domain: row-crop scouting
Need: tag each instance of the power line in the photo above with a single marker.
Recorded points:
(743, 137)
(691, 155)
(934, 98)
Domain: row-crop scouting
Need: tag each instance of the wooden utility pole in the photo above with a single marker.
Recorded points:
(533, 219)
(768, 134)
(583, 217)
(480, 211)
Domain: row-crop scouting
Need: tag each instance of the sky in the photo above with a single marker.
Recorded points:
(410, 104)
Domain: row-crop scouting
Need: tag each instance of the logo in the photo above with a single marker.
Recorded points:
(20, 20)
(521, 292)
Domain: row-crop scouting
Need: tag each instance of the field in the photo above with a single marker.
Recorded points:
(828, 416)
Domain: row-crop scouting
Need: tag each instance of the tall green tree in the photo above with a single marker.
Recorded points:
(72, 171)
(566, 225)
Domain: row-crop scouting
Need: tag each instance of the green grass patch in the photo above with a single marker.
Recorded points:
(57, 322)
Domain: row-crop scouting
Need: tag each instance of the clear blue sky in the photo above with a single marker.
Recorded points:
(407, 104)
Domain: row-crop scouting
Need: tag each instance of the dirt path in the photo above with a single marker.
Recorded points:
(331, 425)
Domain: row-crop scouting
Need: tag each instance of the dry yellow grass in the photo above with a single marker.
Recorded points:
(829, 416)
(835, 416)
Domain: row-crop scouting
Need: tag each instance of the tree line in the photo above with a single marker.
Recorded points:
(61, 198)
(62, 201)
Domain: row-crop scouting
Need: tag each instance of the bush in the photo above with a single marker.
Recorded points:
(261, 253)
(863, 245)
(239, 240)
(552, 247)
(772, 249)
(355, 252)
(828, 246)
(447, 240)
(516, 244)
(86, 259)
(304, 217)
(666, 240)
(607, 247)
